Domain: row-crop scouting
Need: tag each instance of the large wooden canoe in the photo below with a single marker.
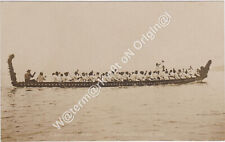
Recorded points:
(203, 74)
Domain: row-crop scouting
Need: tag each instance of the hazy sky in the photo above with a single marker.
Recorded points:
(64, 36)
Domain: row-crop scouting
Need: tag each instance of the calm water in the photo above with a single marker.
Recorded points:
(185, 112)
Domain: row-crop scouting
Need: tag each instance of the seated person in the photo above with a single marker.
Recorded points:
(54, 77)
(40, 77)
(67, 77)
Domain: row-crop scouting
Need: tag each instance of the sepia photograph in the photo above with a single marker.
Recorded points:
(112, 71)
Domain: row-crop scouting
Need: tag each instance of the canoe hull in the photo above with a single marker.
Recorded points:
(203, 74)
(104, 84)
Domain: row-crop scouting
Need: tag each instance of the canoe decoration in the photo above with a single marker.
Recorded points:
(203, 72)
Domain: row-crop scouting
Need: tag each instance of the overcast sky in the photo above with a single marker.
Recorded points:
(64, 36)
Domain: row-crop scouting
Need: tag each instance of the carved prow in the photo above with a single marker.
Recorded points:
(11, 70)
(204, 70)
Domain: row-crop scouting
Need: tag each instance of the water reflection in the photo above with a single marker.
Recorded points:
(12, 91)
(125, 113)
